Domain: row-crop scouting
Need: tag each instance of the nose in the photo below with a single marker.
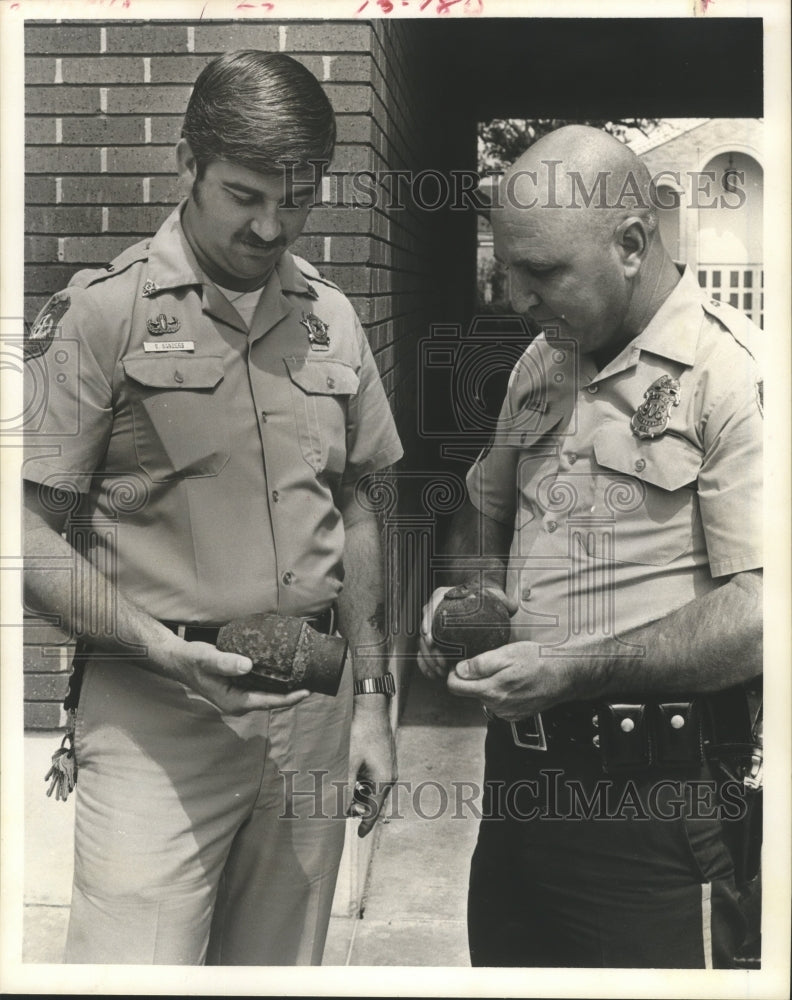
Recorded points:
(521, 295)
(266, 224)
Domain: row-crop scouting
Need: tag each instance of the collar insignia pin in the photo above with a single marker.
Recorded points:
(149, 288)
(317, 331)
(651, 418)
(162, 325)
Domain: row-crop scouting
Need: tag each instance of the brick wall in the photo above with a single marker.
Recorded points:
(104, 104)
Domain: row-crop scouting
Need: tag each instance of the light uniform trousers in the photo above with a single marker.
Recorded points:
(190, 845)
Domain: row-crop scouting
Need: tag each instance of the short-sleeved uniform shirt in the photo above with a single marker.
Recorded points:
(209, 456)
(612, 530)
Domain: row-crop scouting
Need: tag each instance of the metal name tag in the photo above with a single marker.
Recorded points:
(169, 345)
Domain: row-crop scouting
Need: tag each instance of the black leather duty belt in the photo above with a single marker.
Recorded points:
(325, 622)
(637, 735)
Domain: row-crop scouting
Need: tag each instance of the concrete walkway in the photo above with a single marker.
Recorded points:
(414, 907)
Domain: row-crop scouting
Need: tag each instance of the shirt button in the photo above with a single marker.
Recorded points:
(526, 594)
(523, 438)
(593, 388)
(263, 416)
(640, 465)
(552, 525)
(572, 458)
(288, 577)
(330, 382)
(275, 496)
(559, 357)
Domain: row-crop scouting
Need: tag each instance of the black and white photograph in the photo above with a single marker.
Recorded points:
(395, 465)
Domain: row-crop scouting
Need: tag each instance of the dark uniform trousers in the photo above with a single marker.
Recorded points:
(643, 881)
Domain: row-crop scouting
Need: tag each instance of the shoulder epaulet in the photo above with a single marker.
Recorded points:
(309, 271)
(132, 255)
(744, 331)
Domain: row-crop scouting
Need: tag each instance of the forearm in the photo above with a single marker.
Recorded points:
(361, 604)
(478, 548)
(711, 643)
(60, 582)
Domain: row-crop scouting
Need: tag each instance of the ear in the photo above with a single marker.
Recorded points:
(632, 240)
(186, 166)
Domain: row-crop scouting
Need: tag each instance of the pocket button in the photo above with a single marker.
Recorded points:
(640, 465)
(178, 377)
(330, 382)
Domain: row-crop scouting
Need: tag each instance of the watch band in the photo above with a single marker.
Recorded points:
(384, 684)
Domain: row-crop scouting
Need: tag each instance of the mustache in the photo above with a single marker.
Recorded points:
(252, 240)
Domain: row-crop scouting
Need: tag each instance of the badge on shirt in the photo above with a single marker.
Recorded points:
(651, 417)
(162, 324)
(37, 342)
(317, 331)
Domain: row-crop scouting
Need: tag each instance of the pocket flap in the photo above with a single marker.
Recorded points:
(669, 462)
(322, 376)
(171, 372)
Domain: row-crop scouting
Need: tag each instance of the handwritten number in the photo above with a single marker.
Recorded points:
(443, 6)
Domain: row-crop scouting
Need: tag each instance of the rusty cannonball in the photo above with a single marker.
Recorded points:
(287, 654)
(472, 621)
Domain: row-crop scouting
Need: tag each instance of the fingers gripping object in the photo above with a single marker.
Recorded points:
(287, 654)
(472, 620)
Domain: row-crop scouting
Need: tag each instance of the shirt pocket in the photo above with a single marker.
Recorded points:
(321, 390)
(536, 477)
(177, 416)
(648, 488)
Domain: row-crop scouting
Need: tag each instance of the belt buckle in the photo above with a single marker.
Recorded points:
(531, 733)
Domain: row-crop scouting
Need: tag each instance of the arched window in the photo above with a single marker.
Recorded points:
(730, 238)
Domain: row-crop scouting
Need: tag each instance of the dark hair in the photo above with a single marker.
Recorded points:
(259, 109)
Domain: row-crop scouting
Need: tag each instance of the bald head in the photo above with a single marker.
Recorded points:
(585, 170)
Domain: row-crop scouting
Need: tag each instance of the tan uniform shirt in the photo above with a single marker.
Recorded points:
(612, 530)
(210, 456)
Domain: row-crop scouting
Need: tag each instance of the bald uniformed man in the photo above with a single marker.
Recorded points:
(228, 404)
(616, 513)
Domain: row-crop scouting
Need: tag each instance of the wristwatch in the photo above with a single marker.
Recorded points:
(384, 684)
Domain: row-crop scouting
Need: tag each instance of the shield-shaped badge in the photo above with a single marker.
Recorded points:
(317, 331)
(651, 417)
